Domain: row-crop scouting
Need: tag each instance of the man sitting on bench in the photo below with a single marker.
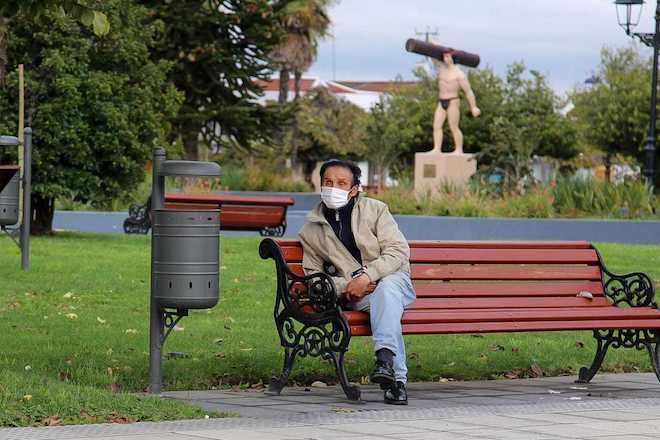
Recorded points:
(356, 241)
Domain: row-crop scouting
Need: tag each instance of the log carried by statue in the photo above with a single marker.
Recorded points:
(436, 51)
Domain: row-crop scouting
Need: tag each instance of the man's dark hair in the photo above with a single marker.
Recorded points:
(354, 169)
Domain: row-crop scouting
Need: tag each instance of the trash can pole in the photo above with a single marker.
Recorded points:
(156, 323)
(27, 190)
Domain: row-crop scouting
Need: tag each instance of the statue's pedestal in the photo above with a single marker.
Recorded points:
(434, 169)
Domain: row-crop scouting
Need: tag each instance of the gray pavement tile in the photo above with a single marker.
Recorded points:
(618, 415)
(498, 421)
(448, 424)
(242, 434)
(620, 437)
(270, 412)
(570, 430)
(253, 401)
(314, 433)
(168, 436)
(436, 435)
(483, 400)
(488, 392)
(556, 418)
(374, 428)
(506, 434)
(311, 399)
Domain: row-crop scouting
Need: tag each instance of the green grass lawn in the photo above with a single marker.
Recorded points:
(74, 334)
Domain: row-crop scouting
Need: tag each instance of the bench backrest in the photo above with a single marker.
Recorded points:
(495, 274)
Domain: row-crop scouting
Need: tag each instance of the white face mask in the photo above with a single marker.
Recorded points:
(334, 198)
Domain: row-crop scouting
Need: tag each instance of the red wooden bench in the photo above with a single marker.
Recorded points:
(473, 287)
(266, 214)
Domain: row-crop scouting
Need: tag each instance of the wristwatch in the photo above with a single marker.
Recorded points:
(358, 272)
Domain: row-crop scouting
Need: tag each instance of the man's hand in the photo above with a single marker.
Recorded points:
(359, 287)
(476, 112)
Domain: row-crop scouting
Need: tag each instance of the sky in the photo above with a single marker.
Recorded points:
(560, 38)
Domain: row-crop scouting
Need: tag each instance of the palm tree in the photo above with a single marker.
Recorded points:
(304, 23)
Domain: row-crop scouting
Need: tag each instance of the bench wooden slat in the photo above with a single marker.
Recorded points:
(437, 255)
(473, 244)
(514, 315)
(499, 303)
(486, 256)
(454, 289)
(431, 272)
(494, 273)
(233, 199)
(494, 327)
(246, 217)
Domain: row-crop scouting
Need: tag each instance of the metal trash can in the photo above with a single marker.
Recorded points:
(185, 252)
(9, 197)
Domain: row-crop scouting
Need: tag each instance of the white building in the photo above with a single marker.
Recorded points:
(364, 94)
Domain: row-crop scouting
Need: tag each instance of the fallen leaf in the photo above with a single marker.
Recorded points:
(247, 349)
(68, 295)
(341, 409)
(497, 347)
(115, 387)
(511, 375)
(51, 421)
(101, 320)
(585, 294)
(27, 397)
(579, 344)
(219, 355)
(515, 349)
(71, 316)
(537, 370)
(114, 418)
(319, 384)
(364, 380)
(65, 376)
(130, 331)
(28, 368)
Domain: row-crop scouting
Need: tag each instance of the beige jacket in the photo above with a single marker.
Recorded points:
(383, 247)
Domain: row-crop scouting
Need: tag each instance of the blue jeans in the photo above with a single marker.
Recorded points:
(385, 305)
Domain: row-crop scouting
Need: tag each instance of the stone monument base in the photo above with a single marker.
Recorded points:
(433, 169)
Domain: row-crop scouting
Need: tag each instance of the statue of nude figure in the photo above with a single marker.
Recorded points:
(451, 80)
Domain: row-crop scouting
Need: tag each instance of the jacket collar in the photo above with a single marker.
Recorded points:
(316, 214)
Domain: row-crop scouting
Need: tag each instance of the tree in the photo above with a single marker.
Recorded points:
(97, 105)
(324, 127)
(304, 22)
(82, 11)
(613, 115)
(218, 49)
(528, 123)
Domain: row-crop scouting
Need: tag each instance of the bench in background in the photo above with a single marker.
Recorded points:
(266, 214)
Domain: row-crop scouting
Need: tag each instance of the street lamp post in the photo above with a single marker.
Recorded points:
(628, 13)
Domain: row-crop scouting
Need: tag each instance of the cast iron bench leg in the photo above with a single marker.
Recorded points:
(603, 343)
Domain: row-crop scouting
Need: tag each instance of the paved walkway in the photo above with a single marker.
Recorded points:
(616, 407)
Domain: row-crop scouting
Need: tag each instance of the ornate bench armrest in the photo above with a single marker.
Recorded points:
(634, 289)
(307, 298)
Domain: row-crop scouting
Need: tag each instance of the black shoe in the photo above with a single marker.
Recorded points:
(397, 394)
(383, 374)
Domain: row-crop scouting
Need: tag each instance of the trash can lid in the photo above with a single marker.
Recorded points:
(190, 168)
